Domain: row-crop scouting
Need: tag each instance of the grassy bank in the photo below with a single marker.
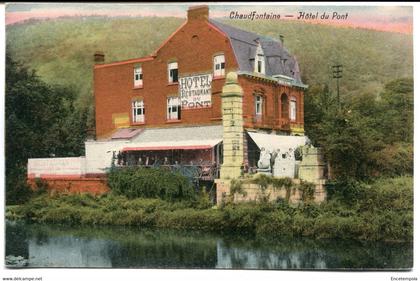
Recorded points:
(382, 210)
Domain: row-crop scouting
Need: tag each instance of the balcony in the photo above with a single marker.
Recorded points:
(268, 122)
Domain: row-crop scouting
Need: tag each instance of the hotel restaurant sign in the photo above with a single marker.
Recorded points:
(195, 91)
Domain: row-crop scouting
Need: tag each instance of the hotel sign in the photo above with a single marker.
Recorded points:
(195, 91)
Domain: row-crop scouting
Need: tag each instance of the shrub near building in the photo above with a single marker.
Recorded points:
(135, 182)
(382, 210)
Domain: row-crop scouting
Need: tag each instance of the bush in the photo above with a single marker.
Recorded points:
(236, 187)
(203, 200)
(17, 191)
(329, 226)
(41, 186)
(310, 210)
(242, 217)
(308, 191)
(276, 224)
(135, 182)
(382, 211)
(347, 189)
(302, 226)
(394, 160)
(395, 194)
(208, 220)
(262, 180)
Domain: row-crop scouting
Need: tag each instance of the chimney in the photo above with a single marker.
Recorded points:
(99, 57)
(198, 12)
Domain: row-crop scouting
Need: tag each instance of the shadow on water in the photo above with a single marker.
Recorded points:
(87, 246)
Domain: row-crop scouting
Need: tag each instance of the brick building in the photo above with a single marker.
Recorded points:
(181, 82)
(174, 108)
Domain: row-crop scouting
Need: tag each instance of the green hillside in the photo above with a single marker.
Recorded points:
(61, 50)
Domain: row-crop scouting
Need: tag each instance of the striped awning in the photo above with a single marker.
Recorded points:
(180, 138)
(181, 145)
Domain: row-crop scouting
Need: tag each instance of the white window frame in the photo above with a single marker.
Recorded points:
(259, 101)
(173, 66)
(138, 76)
(219, 65)
(173, 108)
(259, 66)
(293, 109)
(138, 111)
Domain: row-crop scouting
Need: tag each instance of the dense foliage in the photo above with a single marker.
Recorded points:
(382, 210)
(41, 121)
(135, 182)
(367, 136)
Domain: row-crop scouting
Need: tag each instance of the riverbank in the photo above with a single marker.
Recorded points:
(382, 211)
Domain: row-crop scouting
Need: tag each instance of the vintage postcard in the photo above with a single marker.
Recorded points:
(209, 136)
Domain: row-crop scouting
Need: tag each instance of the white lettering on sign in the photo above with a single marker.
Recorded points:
(195, 91)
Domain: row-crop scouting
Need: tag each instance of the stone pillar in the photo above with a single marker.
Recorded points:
(311, 169)
(233, 131)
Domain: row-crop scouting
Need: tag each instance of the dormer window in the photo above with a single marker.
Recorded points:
(219, 66)
(259, 60)
(173, 72)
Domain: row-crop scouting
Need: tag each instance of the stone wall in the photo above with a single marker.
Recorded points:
(253, 192)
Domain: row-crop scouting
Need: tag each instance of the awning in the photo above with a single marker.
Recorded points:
(126, 133)
(180, 138)
(181, 145)
(273, 142)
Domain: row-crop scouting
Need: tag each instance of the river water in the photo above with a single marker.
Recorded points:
(130, 247)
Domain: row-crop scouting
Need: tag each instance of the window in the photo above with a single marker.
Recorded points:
(293, 109)
(173, 72)
(259, 65)
(138, 76)
(258, 105)
(284, 106)
(259, 60)
(138, 111)
(219, 66)
(174, 108)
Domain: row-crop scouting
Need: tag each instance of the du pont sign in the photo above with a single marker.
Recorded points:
(195, 91)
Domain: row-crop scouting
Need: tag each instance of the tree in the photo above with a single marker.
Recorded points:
(368, 136)
(397, 101)
(41, 121)
(319, 102)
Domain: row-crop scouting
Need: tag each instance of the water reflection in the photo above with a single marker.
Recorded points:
(64, 246)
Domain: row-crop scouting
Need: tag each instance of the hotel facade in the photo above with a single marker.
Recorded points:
(211, 95)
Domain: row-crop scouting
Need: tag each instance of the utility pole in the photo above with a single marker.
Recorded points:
(337, 74)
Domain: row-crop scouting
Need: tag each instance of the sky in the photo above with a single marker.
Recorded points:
(385, 18)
